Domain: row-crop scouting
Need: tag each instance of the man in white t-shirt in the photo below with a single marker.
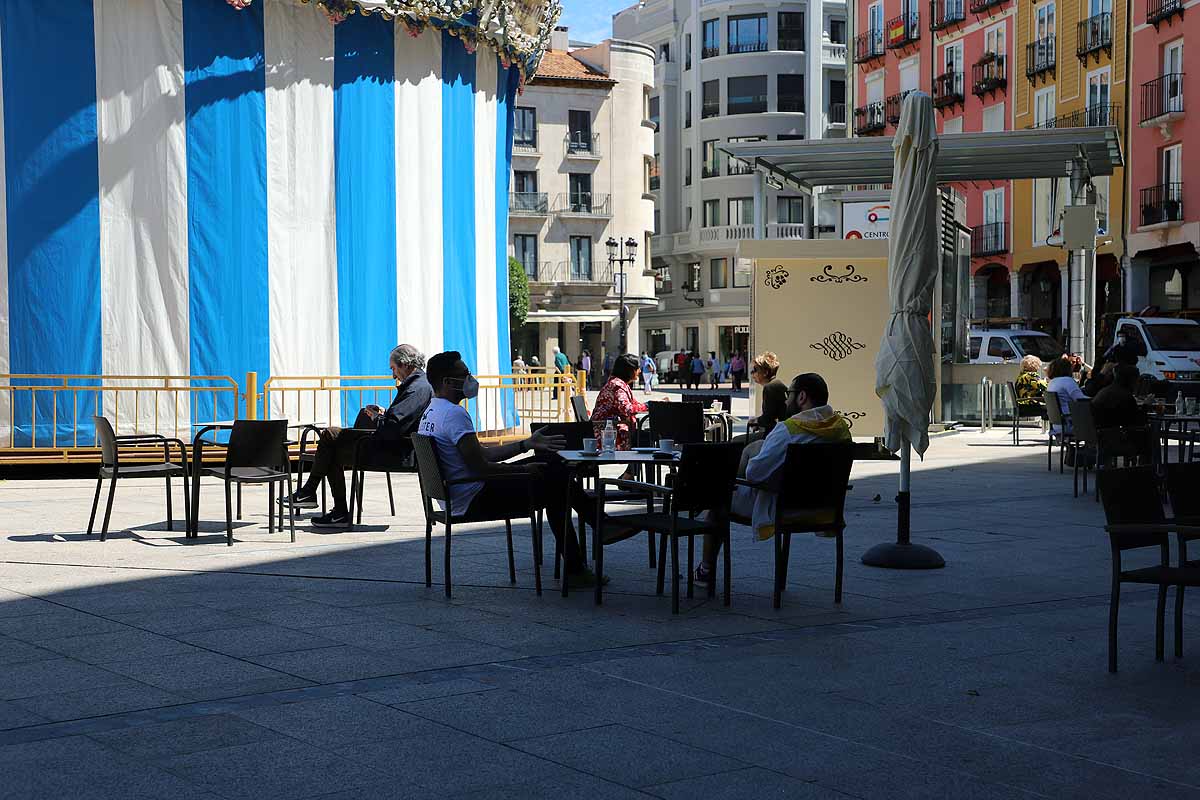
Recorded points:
(462, 457)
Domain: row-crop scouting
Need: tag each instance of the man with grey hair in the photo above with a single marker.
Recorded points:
(388, 431)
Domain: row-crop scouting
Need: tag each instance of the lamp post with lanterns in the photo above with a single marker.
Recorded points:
(621, 253)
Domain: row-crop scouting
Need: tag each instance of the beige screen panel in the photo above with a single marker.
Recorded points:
(825, 313)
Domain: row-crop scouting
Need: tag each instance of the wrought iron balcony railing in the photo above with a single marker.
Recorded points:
(837, 113)
(708, 51)
(989, 74)
(527, 203)
(947, 89)
(869, 119)
(1094, 34)
(1039, 57)
(989, 239)
(1162, 97)
(980, 6)
(944, 13)
(582, 143)
(1159, 10)
(892, 106)
(1162, 204)
(868, 45)
(592, 204)
(1097, 116)
(758, 46)
(903, 30)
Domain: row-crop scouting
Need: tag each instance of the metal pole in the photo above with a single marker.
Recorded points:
(621, 299)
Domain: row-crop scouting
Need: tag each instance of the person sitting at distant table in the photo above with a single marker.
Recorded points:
(388, 431)
(1120, 421)
(1063, 385)
(810, 419)
(763, 371)
(1030, 385)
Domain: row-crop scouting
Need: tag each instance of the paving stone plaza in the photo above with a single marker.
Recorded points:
(147, 667)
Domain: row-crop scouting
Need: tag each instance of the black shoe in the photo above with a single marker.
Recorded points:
(334, 519)
(299, 500)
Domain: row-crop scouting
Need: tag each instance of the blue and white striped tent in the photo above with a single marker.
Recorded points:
(191, 188)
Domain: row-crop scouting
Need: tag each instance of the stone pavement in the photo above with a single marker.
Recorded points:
(150, 667)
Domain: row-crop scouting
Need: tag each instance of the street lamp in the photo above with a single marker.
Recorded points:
(617, 255)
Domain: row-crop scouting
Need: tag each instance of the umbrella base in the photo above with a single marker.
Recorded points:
(893, 555)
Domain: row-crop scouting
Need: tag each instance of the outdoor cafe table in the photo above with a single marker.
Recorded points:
(197, 460)
(1163, 423)
(574, 459)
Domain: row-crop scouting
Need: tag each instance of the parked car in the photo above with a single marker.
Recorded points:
(1004, 345)
(1171, 350)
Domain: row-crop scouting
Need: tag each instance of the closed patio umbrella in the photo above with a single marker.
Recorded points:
(904, 373)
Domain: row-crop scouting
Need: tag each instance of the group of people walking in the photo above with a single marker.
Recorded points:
(695, 369)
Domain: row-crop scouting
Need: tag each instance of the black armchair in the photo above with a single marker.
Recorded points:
(255, 454)
(434, 486)
(112, 468)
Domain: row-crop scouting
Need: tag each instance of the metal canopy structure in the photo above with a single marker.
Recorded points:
(962, 157)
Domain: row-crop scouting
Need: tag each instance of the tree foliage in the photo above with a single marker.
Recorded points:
(518, 294)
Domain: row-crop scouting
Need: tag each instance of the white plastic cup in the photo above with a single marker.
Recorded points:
(666, 445)
(589, 446)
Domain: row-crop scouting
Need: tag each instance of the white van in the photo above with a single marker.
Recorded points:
(1004, 346)
(1172, 351)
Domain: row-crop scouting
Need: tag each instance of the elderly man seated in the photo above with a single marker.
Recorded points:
(388, 431)
(809, 419)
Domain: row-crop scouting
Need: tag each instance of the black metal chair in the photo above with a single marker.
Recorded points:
(1182, 483)
(1062, 421)
(1133, 509)
(706, 399)
(683, 422)
(703, 482)
(112, 468)
(1087, 443)
(256, 454)
(434, 486)
(1021, 412)
(368, 457)
(810, 497)
(580, 409)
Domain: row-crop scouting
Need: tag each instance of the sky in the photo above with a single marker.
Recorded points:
(591, 20)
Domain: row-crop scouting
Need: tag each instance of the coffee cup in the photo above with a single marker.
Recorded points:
(589, 446)
(666, 445)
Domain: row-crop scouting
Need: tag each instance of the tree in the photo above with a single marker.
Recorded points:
(518, 294)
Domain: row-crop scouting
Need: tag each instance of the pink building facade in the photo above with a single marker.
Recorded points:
(959, 52)
(1163, 224)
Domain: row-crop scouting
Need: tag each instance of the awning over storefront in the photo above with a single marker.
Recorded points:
(998, 155)
(571, 316)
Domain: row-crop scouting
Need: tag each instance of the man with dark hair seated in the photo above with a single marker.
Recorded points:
(388, 430)
(810, 418)
(462, 455)
(1120, 421)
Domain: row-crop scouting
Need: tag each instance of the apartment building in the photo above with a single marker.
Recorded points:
(1164, 191)
(582, 147)
(1070, 72)
(727, 71)
(960, 53)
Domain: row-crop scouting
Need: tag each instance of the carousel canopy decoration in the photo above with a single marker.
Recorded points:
(519, 30)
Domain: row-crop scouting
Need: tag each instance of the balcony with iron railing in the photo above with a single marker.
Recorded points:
(903, 30)
(1162, 99)
(736, 166)
(944, 13)
(989, 74)
(837, 113)
(753, 46)
(980, 6)
(578, 272)
(948, 89)
(710, 169)
(528, 204)
(710, 109)
(869, 119)
(1093, 35)
(525, 147)
(989, 239)
(581, 144)
(1160, 10)
(1039, 57)
(893, 104)
(708, 51)
(582, 204)
(1162, 205)
(868, 45)
(1098, 116)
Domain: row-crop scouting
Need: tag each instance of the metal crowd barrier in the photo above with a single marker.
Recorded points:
(48, 418)
(987, 410)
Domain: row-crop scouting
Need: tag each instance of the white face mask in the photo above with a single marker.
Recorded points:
(470, 387)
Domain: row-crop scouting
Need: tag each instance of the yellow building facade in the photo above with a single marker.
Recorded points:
(1070, 71)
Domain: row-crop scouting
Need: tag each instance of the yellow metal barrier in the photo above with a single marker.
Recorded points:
(48, 418)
